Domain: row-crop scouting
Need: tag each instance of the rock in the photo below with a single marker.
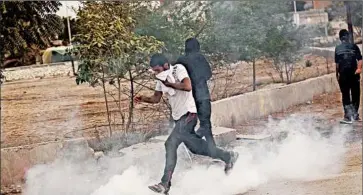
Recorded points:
(98, 155)
(67, 136)
(91, 150)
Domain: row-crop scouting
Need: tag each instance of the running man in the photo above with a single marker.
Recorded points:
(174, 82)
(348, 61)
(200, 72)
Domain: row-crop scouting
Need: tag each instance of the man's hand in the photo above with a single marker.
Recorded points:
(138, 99)
(359, 67)
(358, 71)
(185, 85)
(151, 100)
(167, 83)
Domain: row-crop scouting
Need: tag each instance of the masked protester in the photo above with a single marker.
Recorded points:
(174, 82)
(200, 72)
(348, 59)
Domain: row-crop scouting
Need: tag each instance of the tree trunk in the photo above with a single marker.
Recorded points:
(282, 76)
(119, 102)
(73, 68)
(105, 95)
(290, 72)
(287, 74)
(131, 106)
(349, 21)
(254, 74)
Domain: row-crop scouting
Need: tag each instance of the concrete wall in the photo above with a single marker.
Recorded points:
(310, 17)
(15, 161)
(324, 52)
(238, 109)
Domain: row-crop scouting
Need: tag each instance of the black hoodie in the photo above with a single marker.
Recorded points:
(198, 69)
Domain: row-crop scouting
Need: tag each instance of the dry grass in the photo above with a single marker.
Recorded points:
(51, 109)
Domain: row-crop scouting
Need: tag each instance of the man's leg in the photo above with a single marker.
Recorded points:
(345, 90)
(171, 147)
(355, 89)
(204, 115)
(199, 146)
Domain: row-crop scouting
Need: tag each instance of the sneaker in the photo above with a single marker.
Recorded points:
(356, 117)
(229, 166)
(346, 121)
(160, 188)
(355, 114)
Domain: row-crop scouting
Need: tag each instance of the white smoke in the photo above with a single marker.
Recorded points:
(303, 155)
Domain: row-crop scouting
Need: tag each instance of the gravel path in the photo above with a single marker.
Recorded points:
(39, 71)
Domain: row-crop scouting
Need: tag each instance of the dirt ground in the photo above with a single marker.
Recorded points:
(50, 109)
(328, 106)
(349, 181)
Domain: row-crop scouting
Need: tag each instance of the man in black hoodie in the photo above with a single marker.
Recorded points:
(348, 59)
(200, 72)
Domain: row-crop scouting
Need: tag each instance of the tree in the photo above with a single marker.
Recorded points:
(174, 22)
(28, 24)
(249, 30)
(110, 50)
(283, 45)
(337, 11)
(64, 34)
(238, 30)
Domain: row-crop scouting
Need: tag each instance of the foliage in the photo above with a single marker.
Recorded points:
(283, 45)
(109, 48)
(308, 63)
(239, 28)
(337, 10)
(73, 24)
(174, 22)
(106, 34)
(249, 30)
(231, 31)
(28, 23)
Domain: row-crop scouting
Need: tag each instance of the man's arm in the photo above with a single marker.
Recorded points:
(336, 63)
(359, 68)
(184, 85)
(337, 71)
(152, 99)
(359, 58)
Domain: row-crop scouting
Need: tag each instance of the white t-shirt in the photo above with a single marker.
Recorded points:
(181, 102)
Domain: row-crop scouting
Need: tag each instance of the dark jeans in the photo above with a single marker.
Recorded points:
(350, 88)
(184, 132)
(204, 114)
